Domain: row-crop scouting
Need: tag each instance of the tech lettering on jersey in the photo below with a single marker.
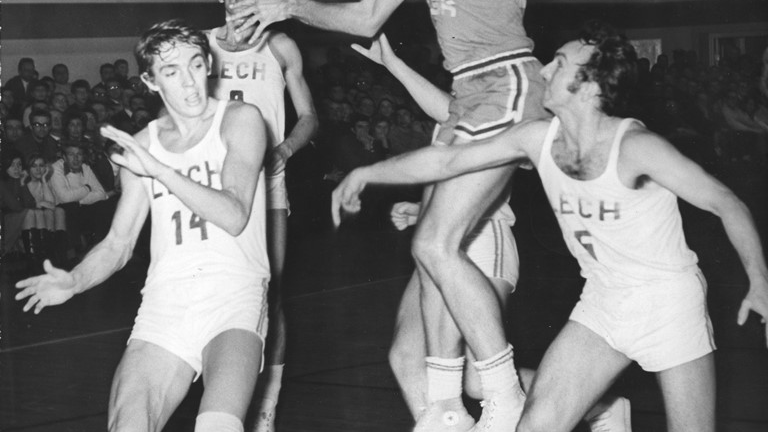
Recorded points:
(203, 175)
(587, 209)
(241, 70)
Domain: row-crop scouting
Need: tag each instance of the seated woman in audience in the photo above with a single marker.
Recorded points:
(15, 202)
(46, 221)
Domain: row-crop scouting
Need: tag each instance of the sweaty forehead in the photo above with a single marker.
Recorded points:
(176, 53)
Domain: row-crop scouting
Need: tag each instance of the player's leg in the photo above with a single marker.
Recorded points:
(468, 294)
(406, 355)
(444, 371)
(576, 370)
(265, 398)
(472, 385)
(231, 363)
(148, 385)
(689, 395)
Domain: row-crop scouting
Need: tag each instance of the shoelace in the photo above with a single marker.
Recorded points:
(487, 420)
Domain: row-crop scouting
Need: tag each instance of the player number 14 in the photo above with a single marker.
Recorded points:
(194, 222)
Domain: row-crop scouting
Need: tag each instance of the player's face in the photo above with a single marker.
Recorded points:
(180, 76)
(560, 73)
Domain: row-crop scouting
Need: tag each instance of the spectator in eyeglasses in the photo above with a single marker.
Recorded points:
(39, 139)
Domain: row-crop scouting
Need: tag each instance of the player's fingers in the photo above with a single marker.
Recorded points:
(743, 312)
(39, 306)
(335, 209)
(119, 159)
(27, 282)
(51, 270)
(359, 48)
(21, 295)
(31, 303)
(262, 40)
(260, 26)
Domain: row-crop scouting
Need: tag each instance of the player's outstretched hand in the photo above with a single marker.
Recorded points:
(756, 300)
(380, 51)
(405, 214)
(134, 157)
(54, 287)
(346, 196)
(257, 14)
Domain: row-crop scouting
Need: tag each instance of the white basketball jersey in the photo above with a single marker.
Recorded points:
(252, 76)
(620, 235)
(188, 250)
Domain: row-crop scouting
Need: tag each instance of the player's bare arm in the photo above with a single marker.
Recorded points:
(363, 18)
(646, 154)
(228, 208)
(289, 56)
(56, 286)
(431, 99)
(438, 163)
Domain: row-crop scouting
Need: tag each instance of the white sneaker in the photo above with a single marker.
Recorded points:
(265, 421)
(617, 418)
(442, 416)
(502, 412)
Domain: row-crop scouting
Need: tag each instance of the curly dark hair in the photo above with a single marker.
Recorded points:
(612, 65)
(160, 36)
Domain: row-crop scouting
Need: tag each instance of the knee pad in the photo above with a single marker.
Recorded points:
(213, 421)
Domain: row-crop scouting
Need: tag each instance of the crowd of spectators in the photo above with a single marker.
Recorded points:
(714, 114)
(59, 187)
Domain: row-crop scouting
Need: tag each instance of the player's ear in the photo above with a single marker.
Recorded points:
(209, 64)
(149, 81)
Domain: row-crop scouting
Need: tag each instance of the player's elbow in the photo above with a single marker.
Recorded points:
(372, 20)
(236, 226)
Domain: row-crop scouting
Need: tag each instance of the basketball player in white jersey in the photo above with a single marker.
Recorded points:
(496, 85)
(493, 249)
(258, 74)
(614, 187)
(198, 169)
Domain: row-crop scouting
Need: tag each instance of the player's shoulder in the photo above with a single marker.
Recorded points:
(640, 146)
(281, 45)
(638, 137)
(533, 131)
(237, 111)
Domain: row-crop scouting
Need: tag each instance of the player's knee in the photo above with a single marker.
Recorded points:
(216, 421)
(429, 250)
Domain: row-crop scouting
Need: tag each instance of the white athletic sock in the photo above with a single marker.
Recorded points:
(497, 373)
(444, 378)
(214, 421)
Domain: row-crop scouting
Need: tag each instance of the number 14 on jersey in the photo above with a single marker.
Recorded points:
(195, 222)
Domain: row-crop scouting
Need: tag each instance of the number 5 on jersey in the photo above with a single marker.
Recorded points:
(194, 222)
(585, 239)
